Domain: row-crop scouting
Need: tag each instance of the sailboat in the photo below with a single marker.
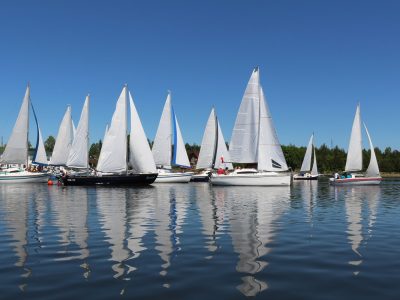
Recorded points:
(114, 160)
(354, 159)
(254, 141)
(164, 157)
(306, 165)
(16, 151)
(213, 151)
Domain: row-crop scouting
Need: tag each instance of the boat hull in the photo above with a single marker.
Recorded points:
(111, 180)
(200, 178)
(310, 177)
(257, 179)
(24, 177)
(356, 181)
(173, 177)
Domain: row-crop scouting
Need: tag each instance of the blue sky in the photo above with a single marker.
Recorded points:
(317, 60)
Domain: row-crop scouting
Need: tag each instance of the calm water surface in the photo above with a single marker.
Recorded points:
(194, 241)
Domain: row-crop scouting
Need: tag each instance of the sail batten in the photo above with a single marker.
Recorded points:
(78, 155)
(16, 151)
(354, 153)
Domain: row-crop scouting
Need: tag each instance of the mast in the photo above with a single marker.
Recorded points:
(215, 143)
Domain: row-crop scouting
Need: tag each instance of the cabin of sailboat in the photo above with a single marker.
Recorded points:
(353, 174)
(306, 172)
(16, 151)
(113, 164)
(254, 141)
(164, 156)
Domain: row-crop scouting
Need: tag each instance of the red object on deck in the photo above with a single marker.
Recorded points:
(49, 182)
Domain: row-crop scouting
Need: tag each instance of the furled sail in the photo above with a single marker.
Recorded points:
(78, 155)
(270, 154)
(16, 151)
(162, 151)
(113, 153)
(373, 168)
(64, 140)
(244, 141)
(141, 158)
(354, 154)
(180, 155)
(306, 165)
(208, 143)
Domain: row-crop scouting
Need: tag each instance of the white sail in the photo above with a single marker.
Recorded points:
(16, 151)
(78, 155)
(41, 157)
(162, 151)
(180, 154)
(73, 128)
(105, 133)
(113, 153)
(270, 154)
(314, 170)
(306, 165)
(64, 140)
(244, 141)
(208, 146)
(354, 154)
(222, 157)
(373, 168)
(141, 158)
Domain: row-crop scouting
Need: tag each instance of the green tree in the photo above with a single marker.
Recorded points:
(49, 143)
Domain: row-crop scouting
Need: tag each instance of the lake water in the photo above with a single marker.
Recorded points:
(195, 241)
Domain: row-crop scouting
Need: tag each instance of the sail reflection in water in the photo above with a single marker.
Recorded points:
(359, 229)
(253, 213)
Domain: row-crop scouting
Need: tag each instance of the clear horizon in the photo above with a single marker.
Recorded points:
(317, 61)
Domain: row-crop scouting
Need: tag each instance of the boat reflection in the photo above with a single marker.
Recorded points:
(253, 214)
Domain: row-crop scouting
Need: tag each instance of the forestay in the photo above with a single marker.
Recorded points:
(244, 141)
(16, 151)
(78, 155)
(141, 158)
(63, 141)
(162, 151)
(113, 153)
(354, 154)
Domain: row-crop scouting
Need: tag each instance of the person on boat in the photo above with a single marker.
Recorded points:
(226, 171)
(337, 175)
(220, 171)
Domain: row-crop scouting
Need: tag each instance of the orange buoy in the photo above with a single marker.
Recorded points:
(49, 182)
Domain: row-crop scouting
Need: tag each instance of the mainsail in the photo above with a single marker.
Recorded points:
(16, 151)
(306, 165)
(141, 158)
(162, 151)
(354, 154)
(113, 153)
(64, 140)
(78, 155)
(244, 141)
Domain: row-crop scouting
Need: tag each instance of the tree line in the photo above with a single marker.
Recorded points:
(328, 159)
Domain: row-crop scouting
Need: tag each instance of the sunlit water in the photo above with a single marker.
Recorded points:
(194, 241)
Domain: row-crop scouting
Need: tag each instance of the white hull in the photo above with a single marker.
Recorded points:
(255, 179)
(23, 177)
(305, 177)
(356, 181)
(174, 177)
